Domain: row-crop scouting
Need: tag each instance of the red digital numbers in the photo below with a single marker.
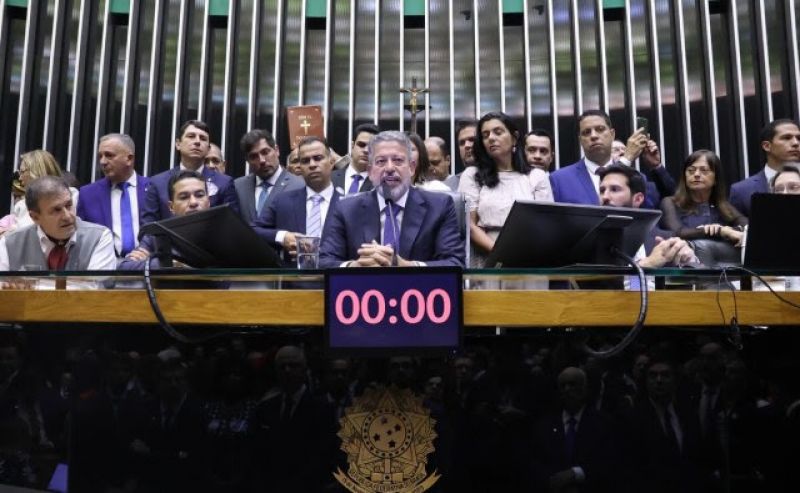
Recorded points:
(371, 307)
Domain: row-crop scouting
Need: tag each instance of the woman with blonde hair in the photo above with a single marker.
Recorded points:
(32, 165)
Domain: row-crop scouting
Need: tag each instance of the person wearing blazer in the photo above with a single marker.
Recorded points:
(103, 202)
(780, 140)
(192, 144)
(301, 211)
(394, 224)
(354, 178)
(267, 179)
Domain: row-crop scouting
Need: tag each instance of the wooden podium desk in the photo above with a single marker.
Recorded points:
(269, 301)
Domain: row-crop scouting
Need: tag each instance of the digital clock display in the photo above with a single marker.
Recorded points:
(401, 308)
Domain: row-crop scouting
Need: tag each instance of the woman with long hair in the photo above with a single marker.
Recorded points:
(500, 177)
(700, 208)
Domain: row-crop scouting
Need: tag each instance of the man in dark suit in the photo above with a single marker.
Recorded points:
(116, 201)
(267, 179)
(578, 183)
(294, 432)
(395, 224)
(188, 194)
(354, 178)
(301, 211)
(466, 130)
(574, 448)
(192, 143)
(780, 140)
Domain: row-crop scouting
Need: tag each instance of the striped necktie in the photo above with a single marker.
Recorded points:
(314, 218)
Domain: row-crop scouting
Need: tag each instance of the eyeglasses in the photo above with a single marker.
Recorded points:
(695, 169)
(792, 188)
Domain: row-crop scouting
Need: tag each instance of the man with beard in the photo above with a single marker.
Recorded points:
(395, 224)
(466, 130)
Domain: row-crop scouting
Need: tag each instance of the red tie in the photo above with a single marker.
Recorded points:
(57, 259)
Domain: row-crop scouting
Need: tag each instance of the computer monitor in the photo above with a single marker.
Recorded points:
(216, 237)
(538, 234)
(772, 233)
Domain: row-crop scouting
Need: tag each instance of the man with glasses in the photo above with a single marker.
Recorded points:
(395, 224)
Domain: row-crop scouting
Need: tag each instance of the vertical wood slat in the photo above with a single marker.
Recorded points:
(180, 62)
(102, 81)
(763, 57)
(629, 69)
(53, 86)
(738, 89)
(227, 90)
(131, 50)
(402, 40)
(376, 95)
(576, 55)
(31, 24)
(502, 53)
(278, 58)
(656, 72)
(794, 56)
(551, 48)
(255, 41)
(327, 113)
(77, 92)
(301, 75)
(526, 54)
(711, 81)
(683, 76)
(201, 101)
(476, 52)
(601, 48)
(427, 62)
(453, 136)
(155, 63)
(352, 74)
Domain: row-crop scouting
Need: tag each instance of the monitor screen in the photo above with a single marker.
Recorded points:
(381, 311)
(216, 237)
(771, 233)
(538, 234)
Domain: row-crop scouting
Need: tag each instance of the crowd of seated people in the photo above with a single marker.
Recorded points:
(676, 413)
(405, 222)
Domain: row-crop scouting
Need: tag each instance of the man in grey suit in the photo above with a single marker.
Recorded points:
(266, 179)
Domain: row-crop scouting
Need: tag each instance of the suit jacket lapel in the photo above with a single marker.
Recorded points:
(250, 196)
(413, 216)
(586, 182)
(299, 211)
(373, 221)
(761, 180)
(105, 204)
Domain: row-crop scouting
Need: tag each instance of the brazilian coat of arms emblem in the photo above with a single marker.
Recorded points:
(387, 435)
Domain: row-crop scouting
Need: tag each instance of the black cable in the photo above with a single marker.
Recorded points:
(162, 321)
(774, 293)
(735, 337)
(637, 326)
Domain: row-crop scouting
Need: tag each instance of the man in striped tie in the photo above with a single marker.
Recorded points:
(301, 211)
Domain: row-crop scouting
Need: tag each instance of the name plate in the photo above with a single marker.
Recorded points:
(415, 310)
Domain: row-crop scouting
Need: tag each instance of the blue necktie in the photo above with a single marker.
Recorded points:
(126, 220)
(391, 230)
(314, 219)
(354, 185)
(262, 199)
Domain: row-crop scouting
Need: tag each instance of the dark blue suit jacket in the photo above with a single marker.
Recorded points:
(287, 212)
(741, 191)
(156, 204)
(94, 201)
(429, 232)
(572, 184)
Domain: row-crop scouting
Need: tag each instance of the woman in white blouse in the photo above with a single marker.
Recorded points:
(500, 177)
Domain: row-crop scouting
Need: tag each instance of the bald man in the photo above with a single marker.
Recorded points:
(439, 157)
